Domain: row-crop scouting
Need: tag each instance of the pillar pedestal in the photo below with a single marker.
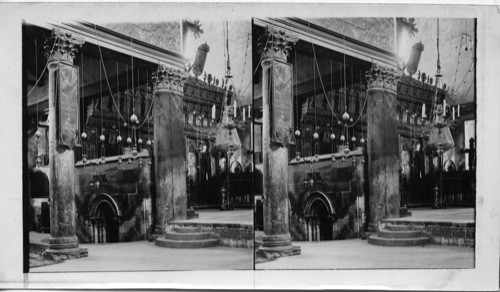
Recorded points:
(169, 147)
(276, 240)
(383, 146)
(63, 97)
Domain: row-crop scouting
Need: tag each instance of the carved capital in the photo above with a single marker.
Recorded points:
(170, 79)
(62, 46)
(383, 78)
(275, 44)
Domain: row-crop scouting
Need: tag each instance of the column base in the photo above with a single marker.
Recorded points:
(277, 252)
(65, 254)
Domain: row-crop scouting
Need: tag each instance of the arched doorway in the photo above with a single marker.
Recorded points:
(104, 219)
(319, 218)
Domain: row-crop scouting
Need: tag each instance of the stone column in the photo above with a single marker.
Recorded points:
(276, 240)
(63, 243)
(383, 145)
(169, 147)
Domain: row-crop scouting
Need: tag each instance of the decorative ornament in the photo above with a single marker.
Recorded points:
(345, 116)
(297, 156)
(353, 139)
(362, 141)
(139, 141)
(148, 142)
(339, 123)
(133, 118)
(342, 138)
(103, 160)
(84, 159)
(84, 135)
(297, 133)
(120, 160)
(351, 120)
(119, 138)
(97, 184)
(332, 136)
(315, 135)
(129, 140)
(134, 151)
(102, 138)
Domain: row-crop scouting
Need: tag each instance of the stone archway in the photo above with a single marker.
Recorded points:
(39, 185)
(319, 213)
(104, 216)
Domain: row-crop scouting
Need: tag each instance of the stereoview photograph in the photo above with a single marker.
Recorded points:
(365, 138)
(137, 145)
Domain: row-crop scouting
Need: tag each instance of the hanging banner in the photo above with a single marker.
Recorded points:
(68, 105)
(281, 103)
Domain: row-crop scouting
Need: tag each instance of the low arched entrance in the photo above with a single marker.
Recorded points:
(104, 216)
(318, 212)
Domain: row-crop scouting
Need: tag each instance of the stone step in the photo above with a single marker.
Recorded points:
(187, 236)
(400, 234)
(187, 229)
(394, 227)
(376, 240)
(163, 242)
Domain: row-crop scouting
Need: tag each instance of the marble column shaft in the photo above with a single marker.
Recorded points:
(276, 240)
(169, 147)
(275, 166)
(63, 240)
(383, 145)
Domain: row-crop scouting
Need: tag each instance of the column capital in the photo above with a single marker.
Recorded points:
(62, 46)
(275, 44)
(170, 79)
(381, 77)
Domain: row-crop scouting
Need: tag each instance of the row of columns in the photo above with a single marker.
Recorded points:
(170, 149)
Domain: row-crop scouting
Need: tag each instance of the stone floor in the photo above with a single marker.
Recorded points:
(451, 214)
(359, 254)
(237, 216)
(145, 256)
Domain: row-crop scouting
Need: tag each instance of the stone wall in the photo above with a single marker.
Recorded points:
(231, 235)
(131, 196)
(454, 234)
(347, 198)
(165, 35)
(378, 32)
(450, 34)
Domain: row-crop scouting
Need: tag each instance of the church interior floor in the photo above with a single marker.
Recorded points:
(359, 254)
(145, 256)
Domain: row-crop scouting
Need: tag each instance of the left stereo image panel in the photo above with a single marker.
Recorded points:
(138, 150)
